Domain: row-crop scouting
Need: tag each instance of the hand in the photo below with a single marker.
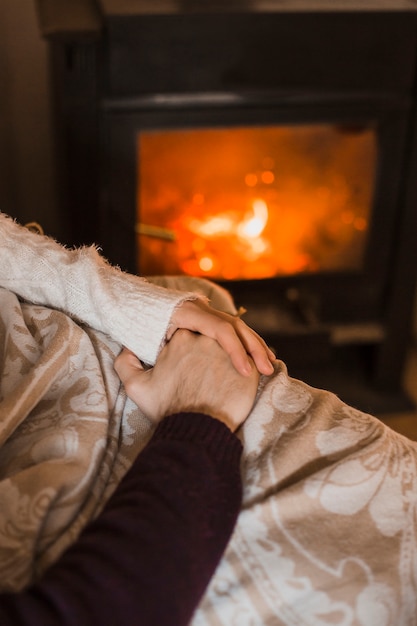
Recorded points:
(233, 335)
(192, 373)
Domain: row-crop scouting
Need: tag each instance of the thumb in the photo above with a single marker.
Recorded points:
(128, 368)
(138, 385)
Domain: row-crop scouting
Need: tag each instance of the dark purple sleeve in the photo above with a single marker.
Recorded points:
(150, 554)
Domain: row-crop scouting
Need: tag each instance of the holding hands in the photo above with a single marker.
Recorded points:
(233, 335)
(192, 374)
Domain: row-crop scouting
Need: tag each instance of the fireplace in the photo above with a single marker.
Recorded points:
(264, 145)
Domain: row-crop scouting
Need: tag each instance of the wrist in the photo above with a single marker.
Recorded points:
(212, 434)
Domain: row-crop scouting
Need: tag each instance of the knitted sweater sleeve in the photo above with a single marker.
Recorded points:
(150, 554)
(80, 282)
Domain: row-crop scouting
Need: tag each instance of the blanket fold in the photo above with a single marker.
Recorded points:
(64, 445)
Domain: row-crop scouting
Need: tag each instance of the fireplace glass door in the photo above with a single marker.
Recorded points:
(260, 200)
(254, 202)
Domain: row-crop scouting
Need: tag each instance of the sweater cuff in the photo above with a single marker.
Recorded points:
(212, 434)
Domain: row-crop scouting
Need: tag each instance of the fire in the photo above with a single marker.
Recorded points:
(206, 264)
(216, 226)
(223, 240)
(258, 207)
(224, 225)
(253, 225)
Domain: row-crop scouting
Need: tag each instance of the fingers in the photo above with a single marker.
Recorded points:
(127, 364)
(131, 372)
(193, 373)
(262, 356)
(239, 341)
(234, 336)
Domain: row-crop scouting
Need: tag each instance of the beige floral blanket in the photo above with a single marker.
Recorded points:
(327, 533)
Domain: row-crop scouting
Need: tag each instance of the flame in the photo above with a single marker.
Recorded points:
(206, 263)
(212, 227)
(253, 225)
(262, 206)
(241, 232)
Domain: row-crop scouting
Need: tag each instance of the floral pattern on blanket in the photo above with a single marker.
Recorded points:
(62, 429)
(327, 532)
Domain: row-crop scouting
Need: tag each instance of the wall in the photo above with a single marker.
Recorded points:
(26, 153)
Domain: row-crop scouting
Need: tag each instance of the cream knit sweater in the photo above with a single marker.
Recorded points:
(81, 283)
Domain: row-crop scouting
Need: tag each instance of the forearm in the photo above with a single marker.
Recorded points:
(80, 282)
(151, 553)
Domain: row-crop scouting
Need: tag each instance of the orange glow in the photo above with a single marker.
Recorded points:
(198, 198)
(254, 222)
(250, 203)
(206, 264)
(360, 224)
(251, 180)
(347, 217)
(268, 163)
(267, 177)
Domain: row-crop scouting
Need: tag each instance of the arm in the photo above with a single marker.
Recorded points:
(150, 554)
(81, 283)
(135, 313)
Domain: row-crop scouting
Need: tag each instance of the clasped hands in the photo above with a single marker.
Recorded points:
(211, 364)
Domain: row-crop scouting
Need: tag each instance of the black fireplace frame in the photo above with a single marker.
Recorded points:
(249, 65)
(124, 121)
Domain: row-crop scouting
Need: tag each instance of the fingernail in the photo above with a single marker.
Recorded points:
(247, 369)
